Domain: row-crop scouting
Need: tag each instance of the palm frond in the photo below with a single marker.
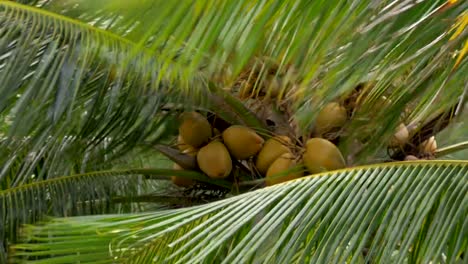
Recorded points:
(62, 196)
(83, 187)
(62, 96)
(404, 48)
(76, 99)
(86, 86)
(82, 86)
(328, 61)
(452, 148)
(416, 209)
(81, 194)
(453, 141)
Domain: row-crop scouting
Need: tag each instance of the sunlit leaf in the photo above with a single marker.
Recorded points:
(415, 209)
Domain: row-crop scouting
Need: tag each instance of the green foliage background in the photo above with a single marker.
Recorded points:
(87, 88)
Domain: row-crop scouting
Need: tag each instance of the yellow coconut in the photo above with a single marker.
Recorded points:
(272, 149)
(429, 146)
(332, 116)
(322, 155)
(180, 181)
(214, 160)
(183, 147)
(242, 142)
(190, 151)
(400, 137)
(278, 170)
(183, 182)
(195, 129)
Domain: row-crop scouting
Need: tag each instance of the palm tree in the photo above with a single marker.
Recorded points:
(91, 97)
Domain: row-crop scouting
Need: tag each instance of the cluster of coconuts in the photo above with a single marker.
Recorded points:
(268, 79)
(401, 137)
(276, 158)
(333, 116)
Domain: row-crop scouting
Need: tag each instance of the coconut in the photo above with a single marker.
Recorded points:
(428, 146)
(184, 182)
(183, 147)
(191, 151)
(322, 155)
(195, 129)
(278, 170)
(400, 137)
(411, 157)
(332, 116)
(214, 160)
(242, 142)
(180, 181)
(273, 148)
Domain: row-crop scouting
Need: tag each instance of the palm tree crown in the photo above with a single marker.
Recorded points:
(92, 94)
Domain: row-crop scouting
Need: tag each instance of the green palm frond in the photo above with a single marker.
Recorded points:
(75, 99)
(328, 61)
(85, 83)
(453, 140)
(404, 48)
(61, 95)
(61, 196)
(410, 211)
(81, 194)
(86, 86)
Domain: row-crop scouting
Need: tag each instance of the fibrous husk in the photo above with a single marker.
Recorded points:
(242, 142)
(195, 129)
(272, 149)
(214, 160)
(246, 90)
(252, 82)
(322, 155)
(272, 86)
(278, 170)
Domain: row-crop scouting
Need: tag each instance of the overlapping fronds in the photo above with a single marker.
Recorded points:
(81, 194)
(405, 49)
(383, 213)
(61, 196)
(72, 96)
(83, 82)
